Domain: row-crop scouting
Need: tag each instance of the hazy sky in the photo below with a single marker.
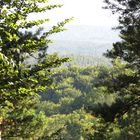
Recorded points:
(85, 12)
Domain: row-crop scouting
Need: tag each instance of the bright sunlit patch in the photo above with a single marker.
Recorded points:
(85, 12)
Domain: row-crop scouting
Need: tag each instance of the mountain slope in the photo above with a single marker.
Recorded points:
(84, 40)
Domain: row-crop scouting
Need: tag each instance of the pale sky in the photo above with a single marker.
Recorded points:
(85, 12)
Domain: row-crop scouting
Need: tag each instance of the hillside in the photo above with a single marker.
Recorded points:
(84, 40)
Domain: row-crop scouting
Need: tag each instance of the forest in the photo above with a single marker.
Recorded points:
(52, 97)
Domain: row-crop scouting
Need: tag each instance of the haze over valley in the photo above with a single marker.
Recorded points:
(84, 40)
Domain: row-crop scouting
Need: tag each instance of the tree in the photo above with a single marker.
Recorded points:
(123, 80)
(21, 80)
(129, 25)
(127, 50)
(77, 125)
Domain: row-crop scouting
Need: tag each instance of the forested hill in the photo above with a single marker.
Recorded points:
(84, 40)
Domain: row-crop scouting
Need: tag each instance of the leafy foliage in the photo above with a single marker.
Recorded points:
(127, 50)
(92, 89)
(76, 91)
(20, 81)
(40, 102)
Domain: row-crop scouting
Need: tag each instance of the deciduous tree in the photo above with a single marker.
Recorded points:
(21, 80)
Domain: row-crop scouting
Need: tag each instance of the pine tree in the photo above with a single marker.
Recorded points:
(129, 25)
(126, 56)
(20, 79)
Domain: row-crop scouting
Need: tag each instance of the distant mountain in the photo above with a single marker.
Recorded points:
(84, 40)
